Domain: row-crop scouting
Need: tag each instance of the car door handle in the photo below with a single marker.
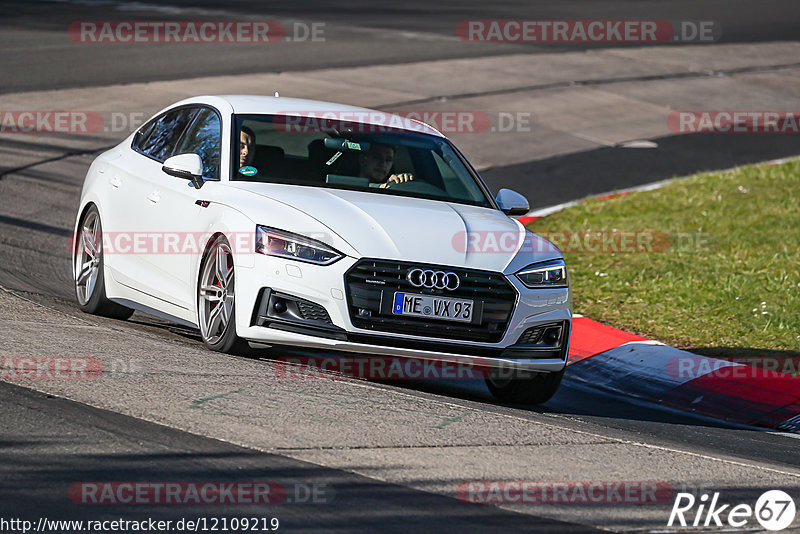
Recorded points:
(154, 197)
(115, 182)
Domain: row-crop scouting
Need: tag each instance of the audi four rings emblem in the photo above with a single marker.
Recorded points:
(433, 279)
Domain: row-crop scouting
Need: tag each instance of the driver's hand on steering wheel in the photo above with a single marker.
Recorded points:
(397, 179)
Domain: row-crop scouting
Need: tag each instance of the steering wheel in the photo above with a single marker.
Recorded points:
(415, 186)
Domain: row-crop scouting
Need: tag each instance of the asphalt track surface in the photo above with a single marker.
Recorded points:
(56, 443)
(47, 442)
(362, 32)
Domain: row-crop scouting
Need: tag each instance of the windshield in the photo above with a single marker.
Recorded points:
(376, 159)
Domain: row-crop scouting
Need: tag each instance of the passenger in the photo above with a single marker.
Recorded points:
(247, 146)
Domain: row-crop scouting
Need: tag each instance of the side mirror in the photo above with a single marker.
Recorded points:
(186, 166)
(512, 203)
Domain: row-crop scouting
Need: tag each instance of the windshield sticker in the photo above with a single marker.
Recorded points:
(248, 170)
(333, 158)
(351, 145)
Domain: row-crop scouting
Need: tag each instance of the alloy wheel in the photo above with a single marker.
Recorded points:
(87, 257)
(216, 293)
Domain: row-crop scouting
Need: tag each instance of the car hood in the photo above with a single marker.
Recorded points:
(427, 231)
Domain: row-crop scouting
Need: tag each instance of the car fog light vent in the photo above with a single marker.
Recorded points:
(312, 311)
(547, 335)
(288, 308)
(531, 336)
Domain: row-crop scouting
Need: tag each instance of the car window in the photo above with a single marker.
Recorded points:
(452, 183)
(361, 157)
(204, 138)
(167, 129)
(143, 134)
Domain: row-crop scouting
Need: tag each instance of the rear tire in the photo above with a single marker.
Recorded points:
(88, 269)
(535, 390)
(216, 310)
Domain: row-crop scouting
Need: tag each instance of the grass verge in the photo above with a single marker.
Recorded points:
(709, 264)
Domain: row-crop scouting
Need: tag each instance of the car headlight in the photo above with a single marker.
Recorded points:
(548, 274)
(274, 242)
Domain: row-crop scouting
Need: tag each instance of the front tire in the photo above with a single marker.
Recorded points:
(534, 390)
(216, 312)
(88, 269)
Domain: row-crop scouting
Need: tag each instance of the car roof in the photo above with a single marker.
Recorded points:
(272, 105)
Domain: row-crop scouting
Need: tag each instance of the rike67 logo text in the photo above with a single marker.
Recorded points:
(774, 510)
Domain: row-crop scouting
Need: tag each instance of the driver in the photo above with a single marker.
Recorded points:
(376, 164)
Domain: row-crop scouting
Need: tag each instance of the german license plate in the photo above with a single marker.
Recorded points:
(445, 308)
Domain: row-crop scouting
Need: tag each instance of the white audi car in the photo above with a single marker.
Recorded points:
(310, 224)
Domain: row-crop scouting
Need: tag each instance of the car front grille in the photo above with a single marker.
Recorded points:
(370, 283)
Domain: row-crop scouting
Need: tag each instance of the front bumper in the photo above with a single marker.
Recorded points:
(333, 329)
